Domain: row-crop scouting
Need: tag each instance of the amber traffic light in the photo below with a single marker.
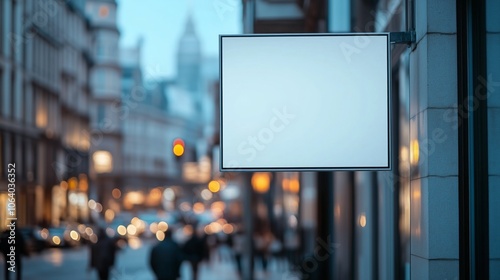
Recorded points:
(178, 147)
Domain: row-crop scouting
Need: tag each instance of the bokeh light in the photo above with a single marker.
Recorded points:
(116, 193)
(122, 230)
(206, 194)
(214, 186)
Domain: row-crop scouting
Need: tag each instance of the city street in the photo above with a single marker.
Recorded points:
(72, 263)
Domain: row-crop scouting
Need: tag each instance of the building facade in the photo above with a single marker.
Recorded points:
(45, 99)
(105, 80)
(431, 217)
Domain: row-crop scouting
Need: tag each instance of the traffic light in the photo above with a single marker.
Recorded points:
(178, 147)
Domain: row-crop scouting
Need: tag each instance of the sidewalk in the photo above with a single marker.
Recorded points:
(218, 270)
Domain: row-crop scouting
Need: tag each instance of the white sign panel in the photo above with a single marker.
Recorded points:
(305, 102)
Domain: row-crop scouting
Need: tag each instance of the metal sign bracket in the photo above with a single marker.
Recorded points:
(408, 37)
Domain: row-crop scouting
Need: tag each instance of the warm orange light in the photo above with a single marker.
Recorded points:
(72, 183)
(154, 197)
(116, 193)
(103, 11)
(198, 208)
(109, 215)
(160, 235)
(162, 226)
(261, 181)
(294, 186)
(56, 240)
(214, 186)
(178, 147)
(64, 185)
(286, 184)
(155, 193)
(121, 229)
(414, 155)
(103, 161)
(362, 220)
(227, 228)
(74, 235)
(178, 150)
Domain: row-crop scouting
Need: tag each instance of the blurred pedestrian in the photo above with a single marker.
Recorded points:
(166, 258)
(195, 248)
(292, 247)
(277, 252)
(262, 241)
(102, 254)
(238, 248)
(17, 242)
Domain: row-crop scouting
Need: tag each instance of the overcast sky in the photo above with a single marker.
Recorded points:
(161, 23)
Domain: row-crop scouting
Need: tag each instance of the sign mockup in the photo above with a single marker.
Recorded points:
(305, 102)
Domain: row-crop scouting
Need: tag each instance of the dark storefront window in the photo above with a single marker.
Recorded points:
(478, 37)
(493, 114)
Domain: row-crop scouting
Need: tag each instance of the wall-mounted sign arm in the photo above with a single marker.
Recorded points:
(408, 37)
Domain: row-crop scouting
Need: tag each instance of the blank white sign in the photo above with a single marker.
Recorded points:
(305, 102)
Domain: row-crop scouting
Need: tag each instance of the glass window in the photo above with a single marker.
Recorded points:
(12, 93)
(41, 109)
(13, 29)
(1, 82)
(101, 114)
(2, 34)
(2, 155)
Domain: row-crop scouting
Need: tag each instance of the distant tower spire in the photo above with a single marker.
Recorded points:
(190, 6)
(188, 55)
(189, 28)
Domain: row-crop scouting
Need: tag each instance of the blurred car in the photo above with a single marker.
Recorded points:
(89, 233)
(63, 237)
(33, 240)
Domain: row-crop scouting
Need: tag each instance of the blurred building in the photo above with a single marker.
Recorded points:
(157, 111)
(105, 85)
(148, 129)
(45, 99)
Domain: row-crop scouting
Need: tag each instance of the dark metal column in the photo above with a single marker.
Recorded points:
(478, 152)
(248, 219)
(325, 221)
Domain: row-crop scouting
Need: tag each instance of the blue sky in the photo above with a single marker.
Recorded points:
(161, 23)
